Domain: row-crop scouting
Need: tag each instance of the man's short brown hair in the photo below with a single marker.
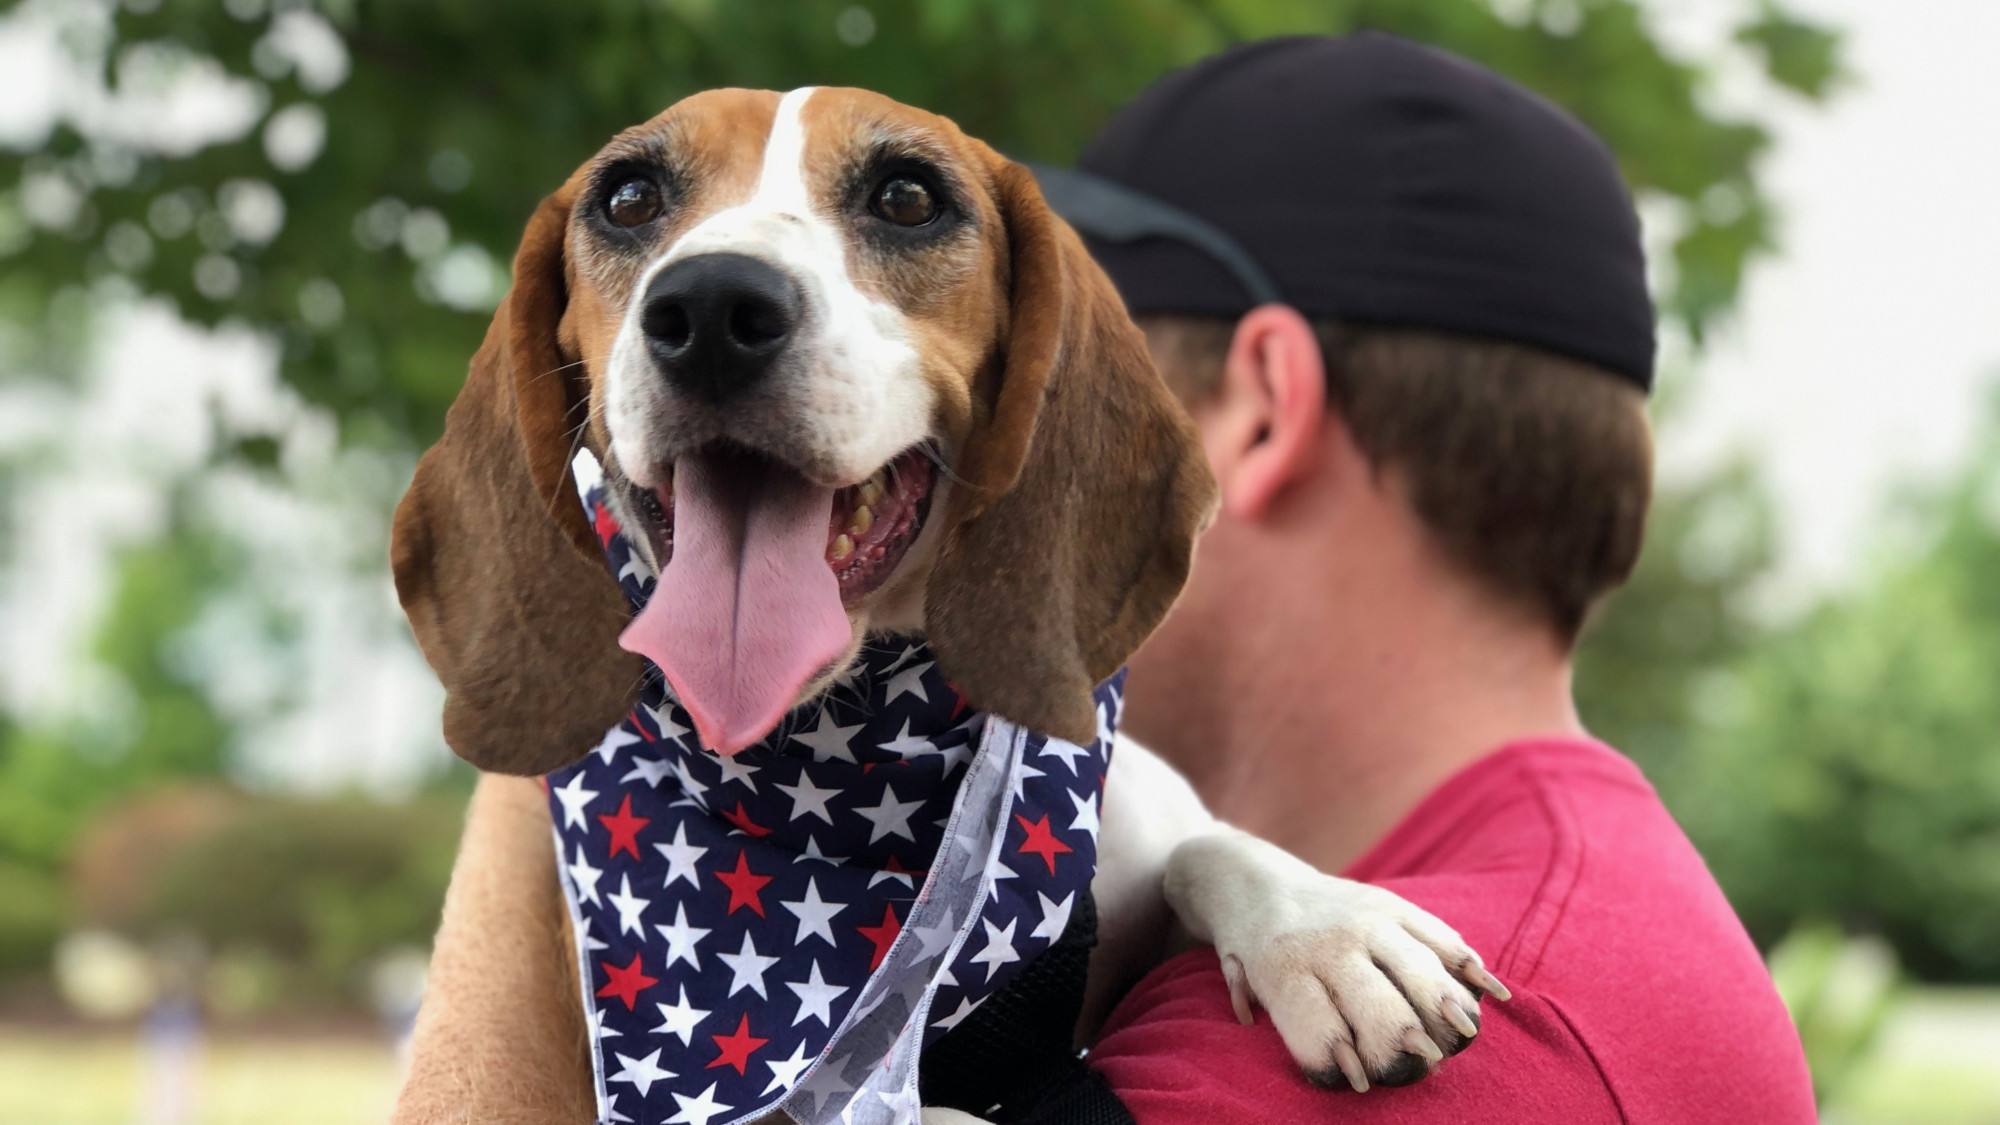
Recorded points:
(1533, 471)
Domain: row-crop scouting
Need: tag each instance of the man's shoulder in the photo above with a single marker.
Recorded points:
(1175, 1054)
(1635, 985)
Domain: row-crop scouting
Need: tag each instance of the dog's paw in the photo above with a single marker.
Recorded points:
(1365, 988)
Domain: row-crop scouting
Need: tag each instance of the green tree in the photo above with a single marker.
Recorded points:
(444, 121)
(1851, 770)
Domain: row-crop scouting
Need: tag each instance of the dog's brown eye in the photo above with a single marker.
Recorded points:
(634, 202)
(903, 200)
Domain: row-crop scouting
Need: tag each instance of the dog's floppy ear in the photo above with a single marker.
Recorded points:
(1080, 492)
(495, 563)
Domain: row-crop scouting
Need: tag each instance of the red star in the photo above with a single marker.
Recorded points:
(1041, 841)
(883, 935)
(896, 865)
(640, 727)
(605, 524)
(963, 704)
(737, 1048)
(742, 820)
(743, 885)
(624, 828)
(626, 983)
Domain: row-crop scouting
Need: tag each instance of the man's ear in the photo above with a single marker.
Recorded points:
(1079, 496)
(496, 566)
(1264, 426)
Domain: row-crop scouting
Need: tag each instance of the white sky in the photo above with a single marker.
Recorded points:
(1859, 354)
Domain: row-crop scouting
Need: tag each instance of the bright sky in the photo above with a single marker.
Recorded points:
(1860, 353)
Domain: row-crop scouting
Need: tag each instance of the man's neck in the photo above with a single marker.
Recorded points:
(1331, 741)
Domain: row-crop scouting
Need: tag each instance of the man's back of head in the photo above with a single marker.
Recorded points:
(1463, 272)
(1405, 301)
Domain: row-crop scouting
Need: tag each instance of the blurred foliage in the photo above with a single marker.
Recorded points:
(286, 898)
(1850, 766)
(376, 255)
(1839, 990)
(1653, 655)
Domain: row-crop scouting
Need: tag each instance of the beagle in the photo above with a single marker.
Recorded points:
(847, 376)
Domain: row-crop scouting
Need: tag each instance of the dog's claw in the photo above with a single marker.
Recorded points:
(1477, 976)
(1239, 989)
(1350, 1065)
(1460, 1020)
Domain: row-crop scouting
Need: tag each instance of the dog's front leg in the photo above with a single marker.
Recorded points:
(1362, 985)
(500, 1037)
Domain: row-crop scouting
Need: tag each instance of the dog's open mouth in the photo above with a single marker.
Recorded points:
(758, 568)
(875, 522)
(871, 527)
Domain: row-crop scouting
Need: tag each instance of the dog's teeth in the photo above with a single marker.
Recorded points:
(842, 547)
(871, 491)
(863, 519)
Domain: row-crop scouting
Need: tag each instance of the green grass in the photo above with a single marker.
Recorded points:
(70, 1079)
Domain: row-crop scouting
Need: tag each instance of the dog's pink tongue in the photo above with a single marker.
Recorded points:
(747, 610)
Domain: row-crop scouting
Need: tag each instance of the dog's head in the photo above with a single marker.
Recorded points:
(846, 372)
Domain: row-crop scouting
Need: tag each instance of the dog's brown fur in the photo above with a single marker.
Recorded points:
(1079, 488)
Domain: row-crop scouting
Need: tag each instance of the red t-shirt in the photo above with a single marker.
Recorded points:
(1637, 996)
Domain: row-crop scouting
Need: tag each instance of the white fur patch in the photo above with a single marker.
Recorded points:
(855, 388)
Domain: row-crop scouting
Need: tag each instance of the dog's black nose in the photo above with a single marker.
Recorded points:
(715, 322)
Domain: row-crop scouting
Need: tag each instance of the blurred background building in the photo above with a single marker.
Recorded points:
(247, 247)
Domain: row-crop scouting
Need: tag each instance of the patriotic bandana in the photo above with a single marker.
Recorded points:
(790, 926)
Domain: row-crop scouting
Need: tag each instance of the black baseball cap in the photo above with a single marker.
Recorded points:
(1373, 180)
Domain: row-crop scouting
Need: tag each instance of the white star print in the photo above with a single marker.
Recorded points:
(1069, 752)
(663, 719)
(829, 740)
(1027, 771)
(698, 1109)
(680, 856)
(635, 567)
(735, 769)
(689, 785)
(907, 746)
(1086, 814)
(641, 1073)
(573, 797)
(908, 652)
(749, 968)
(935, 938)
(680, 1018)
(891, 817)
(1055, 916)
(903, 877)
(649, 770)
(1104, 727)
(965, 1007)
(809, 799)
(998, 872)
(812, 852)
(814, 914)
(618, 738)
(604, 1030)
(999, 947)
(629, 906)
(584, 877)
(815, 997)
(908, 681)
(785, 1074)
(682, 938)
(828, 1081)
